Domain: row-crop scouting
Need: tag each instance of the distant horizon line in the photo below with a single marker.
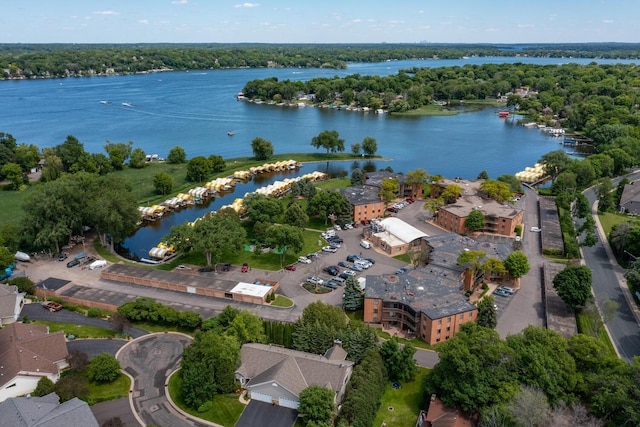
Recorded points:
(331, 43)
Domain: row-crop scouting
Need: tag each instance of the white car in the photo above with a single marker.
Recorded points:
(348, 226)
(304, 260)
(329, 249)
(350, 272)
(314, 280)
(536, 229)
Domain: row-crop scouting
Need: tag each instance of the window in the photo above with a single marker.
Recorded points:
(375, 311)
(438, 331)
(228, 295)
(462, 316)
(439, 321)
(448, 328)
(448, 319)
(376, 302)
(437, 339)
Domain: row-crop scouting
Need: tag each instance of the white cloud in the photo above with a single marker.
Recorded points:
(526, 26)
(356, 21)
(246, 5)
(105, 12)
(608, 21)
(143, 21)
(180, 2)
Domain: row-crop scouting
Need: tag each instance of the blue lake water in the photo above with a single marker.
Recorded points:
(196, 110)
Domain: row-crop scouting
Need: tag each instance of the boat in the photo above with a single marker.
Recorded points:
(104, 102)
(126, 104)
(231, 133)
(21, 256)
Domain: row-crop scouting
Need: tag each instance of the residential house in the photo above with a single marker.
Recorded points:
(439, 415)
(277, 375)
(365, 202)
(394, 236)
(11, 302)
(46, 411)
(29, 352)
(500, 218)
(630, 199)
(405, 190)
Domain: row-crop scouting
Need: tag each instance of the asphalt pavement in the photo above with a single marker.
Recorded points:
(609, 284)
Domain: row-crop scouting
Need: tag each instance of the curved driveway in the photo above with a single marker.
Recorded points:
(149, 360)
(607, 285)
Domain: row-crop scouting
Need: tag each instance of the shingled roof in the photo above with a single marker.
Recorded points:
(30, 348)
(292, 369)
(8, 301)
(45, 411)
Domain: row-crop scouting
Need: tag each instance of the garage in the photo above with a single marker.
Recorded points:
(266, 415)
(293, 404)
(262, 397)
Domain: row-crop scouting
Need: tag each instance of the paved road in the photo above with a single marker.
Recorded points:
(607, 279)
(266, 415)
(526, 307)
(149, 360)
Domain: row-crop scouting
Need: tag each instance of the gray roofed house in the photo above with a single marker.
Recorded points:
(11, 302)
(46, 411)
(29, 352)
(630, 199)
(277, 375)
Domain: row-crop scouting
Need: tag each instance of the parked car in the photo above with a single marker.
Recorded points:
(353, 258)
(331, 284)
(304, 260)
(536, 229)
(371, 260)
(312, 256)
(507, 289)
(335, 245)
(401, 270)
(501, 293)
(315, 280)
(356, 267)
(73, 263)
(349, 273)
(348, 226)
(365, 222)
(51, 306)
(290, 267)
(332, 270)
(62, 256)
(410, 201)
(337, 227)
(392, 209)
(344, 275)
(245, 267)
(343, 264)
(329, 249)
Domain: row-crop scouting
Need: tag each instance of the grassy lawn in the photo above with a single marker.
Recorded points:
(356, 315)
(11, 202)
(406, 402)
(609, 220)
(404, 258)
(226, 408)
(316, 289)
(587, 325)
(99, 392)
(80, 331)
(152, 327)
(416, 342)
(427, 110)
(282, 301)
(332, 184)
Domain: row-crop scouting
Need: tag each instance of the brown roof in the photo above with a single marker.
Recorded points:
(294, 370)
(8, 296)
(441, 416)
(30, 348)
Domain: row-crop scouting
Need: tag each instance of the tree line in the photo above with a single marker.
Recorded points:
(66, 60)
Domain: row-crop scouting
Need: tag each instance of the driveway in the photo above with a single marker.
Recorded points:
(266, 415)
(35, 311)
(119, 408)
(149, 360)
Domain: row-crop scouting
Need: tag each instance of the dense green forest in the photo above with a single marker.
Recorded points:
(67, 60)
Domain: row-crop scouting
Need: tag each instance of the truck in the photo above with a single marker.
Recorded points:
(365, 244)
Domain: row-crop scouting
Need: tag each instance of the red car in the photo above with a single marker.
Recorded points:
(52, 306)
(290, 267)
(245, 267)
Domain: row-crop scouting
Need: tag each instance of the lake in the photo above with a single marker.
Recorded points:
(196, 110)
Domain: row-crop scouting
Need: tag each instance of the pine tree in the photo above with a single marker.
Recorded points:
(353, 299)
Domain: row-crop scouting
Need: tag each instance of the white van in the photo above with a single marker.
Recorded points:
(97, 264)
(365, 244)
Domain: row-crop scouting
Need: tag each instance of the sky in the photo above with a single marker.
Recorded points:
(318, 21)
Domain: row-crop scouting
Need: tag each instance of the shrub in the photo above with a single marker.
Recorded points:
(205, 406)
(94, 312)
(104, 368)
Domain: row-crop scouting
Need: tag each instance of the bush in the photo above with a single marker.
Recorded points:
(94, 312)
(24, 284)
(205, 406)
(104, 368)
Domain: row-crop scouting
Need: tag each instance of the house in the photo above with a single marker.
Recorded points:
(500, 218)
(440, 415)
(29, 352)
(277, 375)
(405, 190)
(11, 302)
(45, 411)
(630, 199)
(394, 236)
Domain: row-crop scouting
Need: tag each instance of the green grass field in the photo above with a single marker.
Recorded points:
(226, 408)
(587, 325)
(99, 392)
(80, 331)
(427, 110)
(610, 219)
(282, 301)
(405, 401)
(416, 342)
(11, 202)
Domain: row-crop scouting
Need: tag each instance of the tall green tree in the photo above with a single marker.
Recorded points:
(487, 314)
(353, 298)
(399, 362)
(198, 169)
(369, 146)
(71, 153)
(517, 264)
(475, 220)
(138, 159)
(247, 327)
(260, 208)
(284, 238)
(177, 155)
(357, 339)
(318, 327)
(7, 258)
(325, 203)
(262, 148)
(329, 140)
(357, 177)
(316, 404)
(208, 367)
(113, 210)
(13, 172)
(104, 368)
(118, 153)
(27, 156)
(573, 285)
(389, 189)
(163, 183)
(296, 216)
